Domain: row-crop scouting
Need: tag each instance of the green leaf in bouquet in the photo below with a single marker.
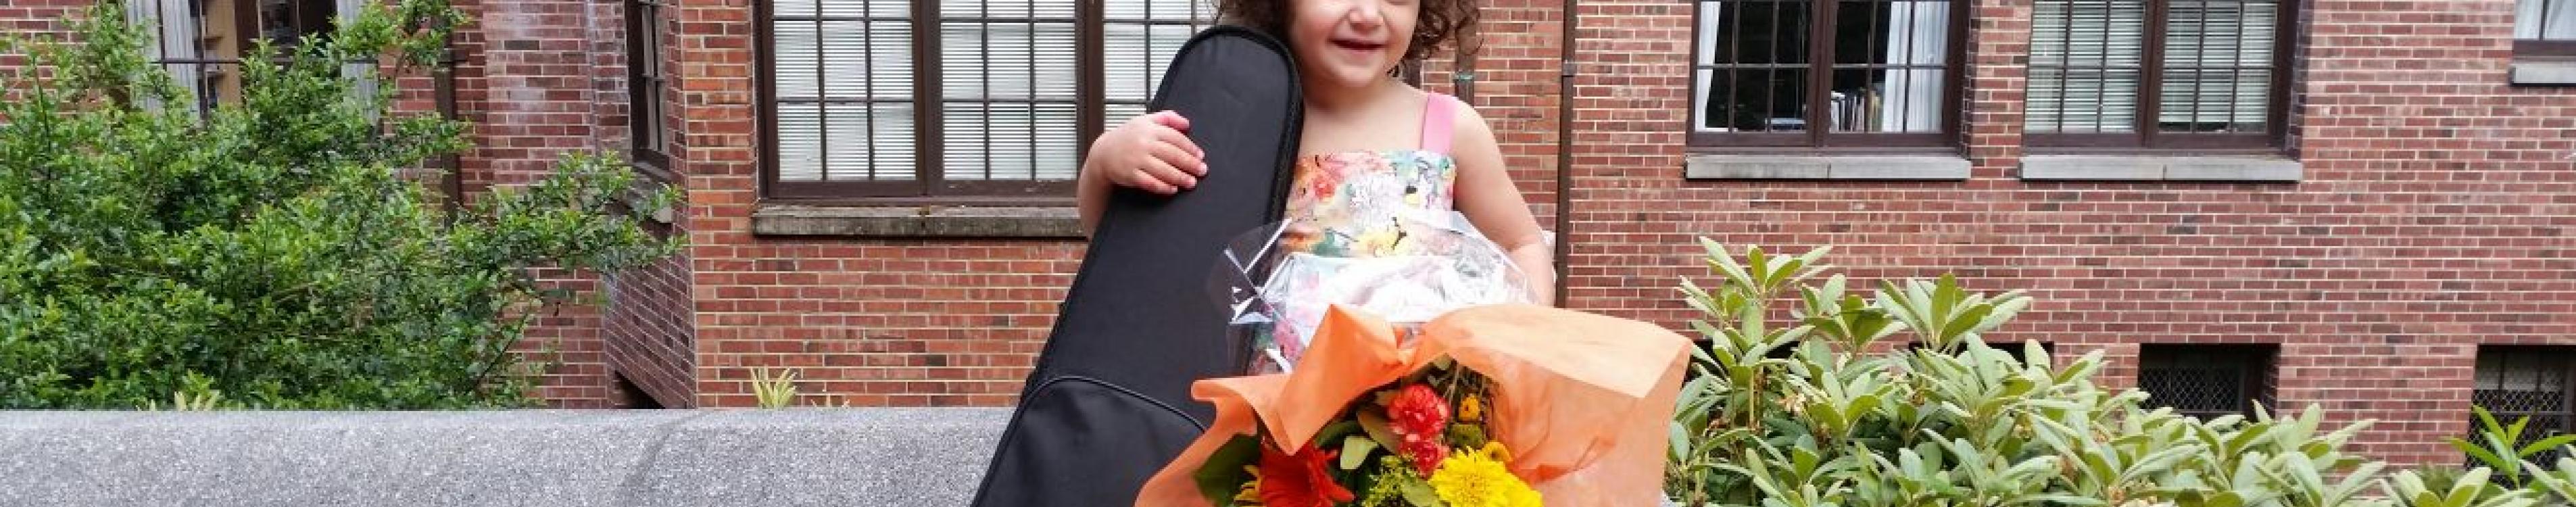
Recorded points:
(1222, 476)
(1355, 451)
(1375, 424)
(1335, 431)
(1420, 494)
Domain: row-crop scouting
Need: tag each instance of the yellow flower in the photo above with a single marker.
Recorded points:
(1479, 479)
(1472, 409)
(1250, 495)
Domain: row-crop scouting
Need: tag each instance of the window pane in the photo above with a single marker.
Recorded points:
(843, 59)
(2218, 65)
(1754, 100)
(2545, 20)
(1886, 100)
(845, 142)
(2085, 64)
(1012, 9)
(1005, 141)
(1114, 114)
(1135, 55)
(1007, 61)
(840, 9)
(1752, 69)
(1164, 10)
(1889, 65)
(1008, 112)
(844, 78)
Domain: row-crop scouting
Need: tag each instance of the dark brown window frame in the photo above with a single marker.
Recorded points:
(2561, 46)
(648, 131)
(1821, 56)
(2260, 362)
(2150, 87)
(931, 187)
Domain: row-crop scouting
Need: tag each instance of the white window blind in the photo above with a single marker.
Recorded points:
(2085, 63)
(1007, 78)
(844, 78)
(2088, 61)
(2218, 65)
(1007, 99)
(2553, 20)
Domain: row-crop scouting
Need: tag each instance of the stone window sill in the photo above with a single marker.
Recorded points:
(2544, 72)
(1709, 166)
(1047, 222)
(2160, 168)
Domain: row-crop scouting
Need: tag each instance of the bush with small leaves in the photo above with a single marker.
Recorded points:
(272, 251)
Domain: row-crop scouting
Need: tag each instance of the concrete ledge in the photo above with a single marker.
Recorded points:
(1773, 167)
(2544, 73)
(917, 221)
(2155, 168)
(835, 457)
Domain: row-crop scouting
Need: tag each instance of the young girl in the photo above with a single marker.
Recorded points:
(1371, 143)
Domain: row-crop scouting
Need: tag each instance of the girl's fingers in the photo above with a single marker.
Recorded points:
(1174, 138)
(1166, 174)
(1176, 157)
(1141, 181)
(1172, 119)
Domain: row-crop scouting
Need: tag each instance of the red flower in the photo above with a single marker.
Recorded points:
(1299, 480)
(1418, 416)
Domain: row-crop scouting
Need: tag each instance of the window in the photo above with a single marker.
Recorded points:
(957, 100)
(1885, 75)
(2191, 74)
(2534, 382)
(2207, 381)
(645, 33)
(2545, 28)
(202, 42)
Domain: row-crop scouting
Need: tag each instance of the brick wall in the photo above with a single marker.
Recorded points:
(538, 81)
(39, 16)
(2433, 216)
(648, 328)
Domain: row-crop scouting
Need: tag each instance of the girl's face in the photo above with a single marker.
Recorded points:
(1350, 43)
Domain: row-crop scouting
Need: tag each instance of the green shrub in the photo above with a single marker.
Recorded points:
(272, 251)
(1953, 422)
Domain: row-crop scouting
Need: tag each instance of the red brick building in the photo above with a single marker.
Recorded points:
(2363, 205)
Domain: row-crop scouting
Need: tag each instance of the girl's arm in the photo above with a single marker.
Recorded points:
(1090, 191)
(1495, 206)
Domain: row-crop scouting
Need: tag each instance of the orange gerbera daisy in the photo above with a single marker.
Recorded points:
(1299, 480)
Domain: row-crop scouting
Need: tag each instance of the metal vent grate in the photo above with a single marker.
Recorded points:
(2206, 380)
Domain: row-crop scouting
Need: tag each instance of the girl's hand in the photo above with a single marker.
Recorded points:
(1150, 153)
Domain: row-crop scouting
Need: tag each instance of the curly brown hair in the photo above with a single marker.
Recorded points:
(1440, 21)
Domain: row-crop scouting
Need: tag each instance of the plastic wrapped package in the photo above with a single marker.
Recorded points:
(1433, 263)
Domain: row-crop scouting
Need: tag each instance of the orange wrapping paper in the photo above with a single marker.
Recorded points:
(1582, 400)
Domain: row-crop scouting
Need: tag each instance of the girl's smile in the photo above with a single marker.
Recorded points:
(1350, 44)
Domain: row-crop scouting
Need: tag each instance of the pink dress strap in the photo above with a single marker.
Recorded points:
(1437, 115)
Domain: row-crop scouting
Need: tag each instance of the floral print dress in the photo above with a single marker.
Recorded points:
(1354, 201)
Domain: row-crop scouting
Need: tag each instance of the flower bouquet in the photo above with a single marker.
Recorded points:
(1495, 405)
